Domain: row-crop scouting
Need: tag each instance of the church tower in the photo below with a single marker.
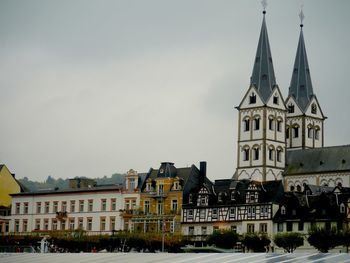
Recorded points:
(261, 144)
(305, 120)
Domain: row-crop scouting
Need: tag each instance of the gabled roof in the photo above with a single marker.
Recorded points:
(326, 159)
(263, 75)
(300, 85)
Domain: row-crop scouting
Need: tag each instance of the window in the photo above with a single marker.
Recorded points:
(279, 155)
(81, 205)
(64, 206)
(263, 227)
(102, 223)
(246, 125)
(271, 122)
(294, 212)
(202, 214)
(190, 213)
(90, 205)
(233, 196)
(290, 108)
(46, 224)
(283, 210)
(220, 197)
(146, 206)
(204, 230)
(54, 224)
(190, 198)
(309, 132)
(37, 224)
(275, 99)
(89, 223)
(25, 210)
(298, 188)
(38, 207)
(296, 131)
(132, 184)
(342, 208)
(16, 225)
(234, 229)
(63, 225)
(160, 208)
(256, 153)
(252, 99)
(55, 206)
(103, 204)
(160, 189)
(257, 123)
(271, 153)
(148, 187)
(317, 133)
(112, 223)
(174, 206)
(289, 226)
(176, 186)
(246, 154)
(250, 228)
(18, 208)
(72, 206)
(280, 227)
(191, 230)
(300, 226)
(203, 200)
(133, 203)
(25, 225)
(71, 223)
(287, 133)
(80, 223)
(232, 212)
(279, 125)
(215, 213)
(313, 108)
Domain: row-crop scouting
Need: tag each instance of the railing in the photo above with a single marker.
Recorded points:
(158, 194)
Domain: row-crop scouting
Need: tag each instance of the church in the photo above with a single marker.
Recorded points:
(283, 138)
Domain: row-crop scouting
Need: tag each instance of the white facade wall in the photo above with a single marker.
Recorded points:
(97, 214)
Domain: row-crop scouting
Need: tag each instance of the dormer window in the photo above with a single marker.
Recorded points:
(342, 208)
(252, 99)
(283, 210)
(220, 197)
(148, 187)
(313, 108)
(190, 199)
(291, 108)
(275, 99)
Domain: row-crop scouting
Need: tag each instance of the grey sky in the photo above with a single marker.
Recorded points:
(90, 88)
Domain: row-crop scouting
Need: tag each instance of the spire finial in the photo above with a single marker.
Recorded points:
(301, 16)
(264, 4)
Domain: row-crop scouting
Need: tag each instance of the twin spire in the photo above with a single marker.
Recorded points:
(263, 75)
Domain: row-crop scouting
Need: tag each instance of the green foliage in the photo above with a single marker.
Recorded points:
(223, 239)
(289, 241)
(324, 239)
(256, 242)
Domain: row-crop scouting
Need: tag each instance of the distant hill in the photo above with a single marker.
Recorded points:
(51, 183)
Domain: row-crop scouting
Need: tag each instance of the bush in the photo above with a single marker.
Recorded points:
(324, 239)
(289, 241)
(256, 242)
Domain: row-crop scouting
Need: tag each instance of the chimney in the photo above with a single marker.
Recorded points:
(202, 171)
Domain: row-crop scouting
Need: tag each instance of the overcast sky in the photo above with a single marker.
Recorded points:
(90, 88)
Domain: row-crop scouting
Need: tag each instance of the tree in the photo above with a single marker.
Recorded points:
(324, 239)
(256, 242)
(289, 241)
(223, 239)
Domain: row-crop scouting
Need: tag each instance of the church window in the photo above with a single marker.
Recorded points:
(246, 154)
(287, 132)
(271, 153)
(275, 100)
(271, 122)
(291, 108)
(256, 153)
(313, 108)
(279, 125)
(317, 133)
(252, 99)
(246, 124)
(309, 132)
(296, 131)
(279, 155)
(257, 123)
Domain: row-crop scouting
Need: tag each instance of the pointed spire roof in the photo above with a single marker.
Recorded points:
(263, 76)
(300, 84)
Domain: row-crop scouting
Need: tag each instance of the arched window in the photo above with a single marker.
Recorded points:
(310, 131)
(256, 152)
(279, 154)
(246, 124)
(246, 153)
(317, 133)
(342, 208)
(256, 123)
(287, 132)
(271, 123)
(298, 188)
(295, 131)
(271, 153)
(283, 210)
(291, 188)
(279, 124)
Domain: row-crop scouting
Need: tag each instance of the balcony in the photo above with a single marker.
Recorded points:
(157, 194)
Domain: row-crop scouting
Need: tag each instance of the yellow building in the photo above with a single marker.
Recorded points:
(8, 185)
(162, 195)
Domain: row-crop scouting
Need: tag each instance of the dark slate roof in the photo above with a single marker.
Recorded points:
(97, 188)
(263, 76)
(318, 160)
(300, 84)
